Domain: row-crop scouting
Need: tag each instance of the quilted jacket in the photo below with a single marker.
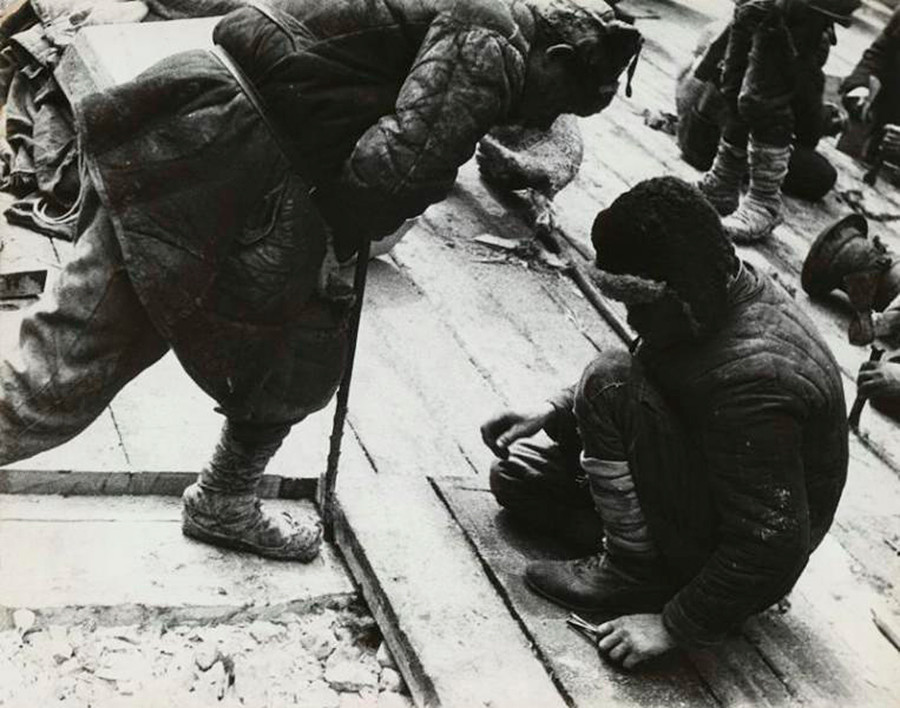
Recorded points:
(381, 101)
(762, 407)
(377, 103)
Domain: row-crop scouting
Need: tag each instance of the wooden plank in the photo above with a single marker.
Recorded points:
(451, 634)
(74, 559)
(584, 678)
(135, 483)
(830, 611)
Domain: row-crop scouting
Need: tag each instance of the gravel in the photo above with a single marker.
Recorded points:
(326, 658)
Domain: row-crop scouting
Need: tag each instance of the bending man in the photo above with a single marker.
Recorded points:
(710, 461)
(223, 185)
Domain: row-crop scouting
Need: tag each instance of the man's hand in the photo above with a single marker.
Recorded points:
(887, 327)
(504, 429)
(632, 639)
(879, 378)
(890, 144)
(859, 101)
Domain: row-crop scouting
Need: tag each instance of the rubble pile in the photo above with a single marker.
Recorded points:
(327, 658)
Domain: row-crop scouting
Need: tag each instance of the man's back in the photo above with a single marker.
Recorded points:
(764, 391)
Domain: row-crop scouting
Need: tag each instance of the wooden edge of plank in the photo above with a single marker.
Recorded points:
(135, 483)
(452, 635)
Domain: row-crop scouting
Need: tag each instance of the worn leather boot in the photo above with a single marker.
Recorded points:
(722, 184)
(760, 209)
(628, 576)
(603, 582)
(222, 506)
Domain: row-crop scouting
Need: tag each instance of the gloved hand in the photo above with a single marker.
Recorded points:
(879, 379)
(504, 429)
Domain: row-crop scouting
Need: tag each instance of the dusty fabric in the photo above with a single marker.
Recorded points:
(703, 112)
(219, 236)
(736, 528)
(381, 102)
(76, 348)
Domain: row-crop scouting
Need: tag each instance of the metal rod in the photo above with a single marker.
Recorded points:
(860, 402)
(325, 492)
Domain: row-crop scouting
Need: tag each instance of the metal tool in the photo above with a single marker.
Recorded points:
(857, 408)
(588, 630)
(328, 481)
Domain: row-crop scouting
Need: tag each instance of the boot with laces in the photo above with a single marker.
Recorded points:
(628, 576)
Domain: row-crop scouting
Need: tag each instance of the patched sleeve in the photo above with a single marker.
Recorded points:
(753, 447)
(461, 84)
(875, 60)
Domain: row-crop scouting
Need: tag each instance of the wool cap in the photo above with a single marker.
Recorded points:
(603, 44)
(664, 230)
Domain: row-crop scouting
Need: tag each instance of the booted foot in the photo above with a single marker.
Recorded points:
(600, 584)
(240, 522)
(722, 184)
(752, 222)
(724, 198)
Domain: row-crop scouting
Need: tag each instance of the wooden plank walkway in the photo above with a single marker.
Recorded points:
(453, 331)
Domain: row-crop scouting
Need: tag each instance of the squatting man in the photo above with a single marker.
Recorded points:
(710, 461)
(225, 185)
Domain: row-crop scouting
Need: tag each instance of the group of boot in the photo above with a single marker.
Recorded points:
(751, 217)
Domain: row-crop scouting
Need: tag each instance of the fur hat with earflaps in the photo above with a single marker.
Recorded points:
(664, 234)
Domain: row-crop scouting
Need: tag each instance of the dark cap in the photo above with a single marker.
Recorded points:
(664, 229)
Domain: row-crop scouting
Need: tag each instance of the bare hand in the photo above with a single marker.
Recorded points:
(879, 378)
(858, 102)
(504, 429)
(890, 143)
(887, 327)
(632, 639)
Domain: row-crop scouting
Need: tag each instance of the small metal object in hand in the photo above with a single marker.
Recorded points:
(585, 628)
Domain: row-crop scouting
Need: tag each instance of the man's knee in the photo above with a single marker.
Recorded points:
(810, 175)
(611, 369)
(506, 482)
(600, 400)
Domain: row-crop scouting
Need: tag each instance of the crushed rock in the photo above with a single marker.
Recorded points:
(326, 658)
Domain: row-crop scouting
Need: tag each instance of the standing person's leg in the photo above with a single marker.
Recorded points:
(76, 348)
(223, 508)
(765, 104)
(722, 183)
(654, 505)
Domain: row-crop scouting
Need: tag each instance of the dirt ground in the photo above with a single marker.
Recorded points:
(331, 657)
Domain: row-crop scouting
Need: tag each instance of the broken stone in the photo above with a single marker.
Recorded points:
(318, 639)
(264, 632)
(355, 700)
(61, 651)
(128, 634)
(308, 668)
(389, 699)
(390, 680)
(384, 657)
(119, 667)
(23, 621)
(348, 674)
(318, 694)
(206, 655)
